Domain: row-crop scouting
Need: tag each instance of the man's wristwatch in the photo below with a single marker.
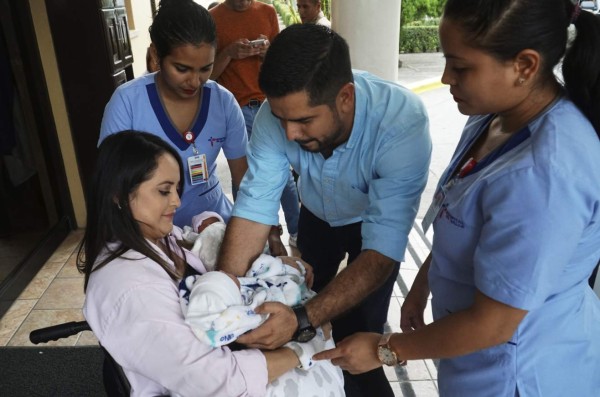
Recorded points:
(385, 353)
(305, 331)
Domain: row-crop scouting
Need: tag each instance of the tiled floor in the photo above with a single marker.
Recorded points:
(56, 296)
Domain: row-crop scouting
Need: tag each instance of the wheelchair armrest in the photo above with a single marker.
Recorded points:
(59, 331)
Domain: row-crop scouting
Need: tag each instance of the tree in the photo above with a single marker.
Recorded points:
(416, 10)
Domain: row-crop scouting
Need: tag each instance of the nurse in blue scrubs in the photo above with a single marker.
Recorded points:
(179, 104)
(516, 216)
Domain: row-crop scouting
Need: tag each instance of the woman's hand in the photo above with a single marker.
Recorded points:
(355, 354)
(411, 312)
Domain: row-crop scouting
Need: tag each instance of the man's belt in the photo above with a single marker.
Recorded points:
(254, 103)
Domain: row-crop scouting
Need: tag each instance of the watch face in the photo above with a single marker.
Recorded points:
(306, 334)
(386, 355)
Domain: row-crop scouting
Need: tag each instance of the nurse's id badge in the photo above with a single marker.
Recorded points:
(434, 209)
(198, 169)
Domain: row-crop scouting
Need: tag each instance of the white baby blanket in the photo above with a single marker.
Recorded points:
(219, 312)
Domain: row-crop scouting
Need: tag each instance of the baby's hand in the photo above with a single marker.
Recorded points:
(305, 269)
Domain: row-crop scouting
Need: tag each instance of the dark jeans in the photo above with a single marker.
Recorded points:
(324, 247)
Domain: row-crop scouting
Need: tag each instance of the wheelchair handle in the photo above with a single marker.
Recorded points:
(57, 332)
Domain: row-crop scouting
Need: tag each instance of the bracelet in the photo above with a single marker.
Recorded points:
(304, 355)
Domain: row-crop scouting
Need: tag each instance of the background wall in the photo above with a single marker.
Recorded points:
(374, 47)
(141, 13)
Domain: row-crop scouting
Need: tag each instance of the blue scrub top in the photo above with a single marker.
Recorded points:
(219, 125)
(523, 227)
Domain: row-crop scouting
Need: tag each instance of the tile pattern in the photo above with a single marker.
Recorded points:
(56, 296)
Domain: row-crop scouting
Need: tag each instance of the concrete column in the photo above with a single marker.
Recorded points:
(372, 30)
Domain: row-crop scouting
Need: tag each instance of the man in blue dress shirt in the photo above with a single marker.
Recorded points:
(362, 148)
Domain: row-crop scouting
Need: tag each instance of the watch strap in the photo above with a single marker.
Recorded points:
(384, 342)
(301, 317)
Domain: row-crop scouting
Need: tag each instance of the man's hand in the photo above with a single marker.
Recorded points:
(276, 331)
(356, 353)
(264, 47)
(241, 49)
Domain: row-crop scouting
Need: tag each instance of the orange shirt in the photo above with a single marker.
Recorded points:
(241, 75)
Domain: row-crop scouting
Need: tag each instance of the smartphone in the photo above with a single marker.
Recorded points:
(257, 42)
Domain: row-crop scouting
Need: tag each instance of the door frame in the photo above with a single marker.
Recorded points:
(17, 27)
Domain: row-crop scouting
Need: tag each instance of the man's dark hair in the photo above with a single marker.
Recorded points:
(306, 57)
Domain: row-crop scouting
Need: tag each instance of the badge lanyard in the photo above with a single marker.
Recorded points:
(440, 196)
(197, 163)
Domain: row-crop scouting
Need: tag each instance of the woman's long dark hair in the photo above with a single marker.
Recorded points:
(125, 160)
(503, 28)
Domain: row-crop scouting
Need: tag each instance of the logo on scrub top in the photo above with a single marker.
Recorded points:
(217, 140)
(444, 213)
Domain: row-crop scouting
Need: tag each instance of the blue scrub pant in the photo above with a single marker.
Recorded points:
(324, 247)
(289, 197)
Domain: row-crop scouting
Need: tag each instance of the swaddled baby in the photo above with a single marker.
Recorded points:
(205, 236)
(219, 308)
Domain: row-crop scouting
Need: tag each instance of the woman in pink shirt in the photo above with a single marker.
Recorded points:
(132, 268)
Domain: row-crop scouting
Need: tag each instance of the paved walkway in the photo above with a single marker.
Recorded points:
(420, 70)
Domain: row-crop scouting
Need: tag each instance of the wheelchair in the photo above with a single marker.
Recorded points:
(114, 379)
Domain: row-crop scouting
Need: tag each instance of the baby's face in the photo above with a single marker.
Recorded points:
(207, 222)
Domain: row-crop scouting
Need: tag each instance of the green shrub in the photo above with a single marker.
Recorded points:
(416, 10)
(419, 22)
(419, 39)
(288, 14)
(425, 22)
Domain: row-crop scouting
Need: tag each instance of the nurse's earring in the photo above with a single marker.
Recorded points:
(521, 80)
